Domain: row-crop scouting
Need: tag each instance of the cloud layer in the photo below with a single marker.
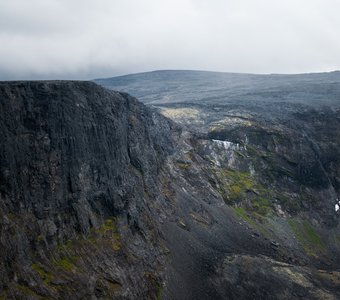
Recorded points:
(97, 38)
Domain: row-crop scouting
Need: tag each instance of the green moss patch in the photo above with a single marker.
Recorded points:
(45, 276)
(108, 226)
(68, 253)
(239, 187)
(240, 212)
(107, 234)
(108, 230)
(183, 165)
(307, 237)
(255, 221)
(67, 263)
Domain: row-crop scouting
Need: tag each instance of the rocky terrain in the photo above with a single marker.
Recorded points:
(79, 165)
(103, 197)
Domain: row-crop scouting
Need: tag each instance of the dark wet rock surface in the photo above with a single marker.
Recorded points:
(79, 166)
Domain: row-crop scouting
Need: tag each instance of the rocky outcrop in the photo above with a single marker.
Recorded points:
(78, 176)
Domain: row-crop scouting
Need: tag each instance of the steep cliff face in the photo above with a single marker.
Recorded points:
(78, 175)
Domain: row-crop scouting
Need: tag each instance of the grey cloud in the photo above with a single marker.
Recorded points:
(96, 38)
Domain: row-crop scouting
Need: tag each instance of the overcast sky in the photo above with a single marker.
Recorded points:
(88, 39)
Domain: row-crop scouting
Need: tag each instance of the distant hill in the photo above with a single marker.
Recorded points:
(164, 87)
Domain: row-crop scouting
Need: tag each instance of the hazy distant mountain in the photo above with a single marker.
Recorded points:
(213, 87)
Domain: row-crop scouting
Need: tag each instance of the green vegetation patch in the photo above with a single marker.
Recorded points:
(183, 165)
(70, 252)
(307, 237)
(45, 276)
(108, 226)
(69, 256)
(106, 233)
(27, 292)
(155, 285)
(109, 231)
(67, 263)
(160, 291)
(253, 219)
(238, 187)
(241, 213)
(3, 295)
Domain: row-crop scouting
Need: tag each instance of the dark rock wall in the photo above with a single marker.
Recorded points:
(73, 155)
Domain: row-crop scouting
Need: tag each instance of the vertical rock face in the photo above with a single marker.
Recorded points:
(78, 171)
